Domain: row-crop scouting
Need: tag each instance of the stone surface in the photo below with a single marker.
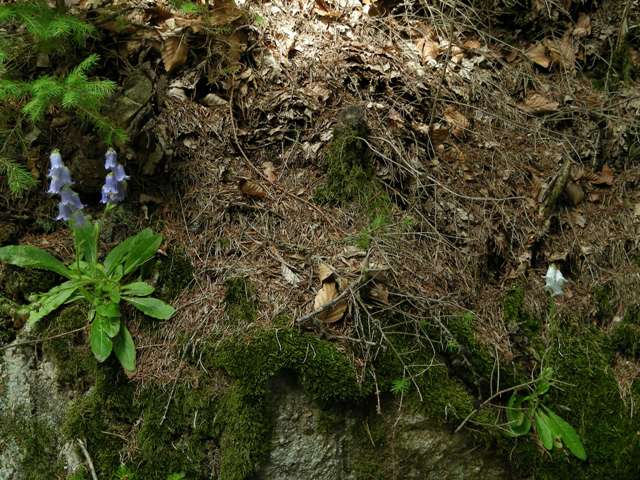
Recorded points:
(302, 449)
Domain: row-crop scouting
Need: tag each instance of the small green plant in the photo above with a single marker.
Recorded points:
(525, 411)
(400, 386)
(102, 284)
(177, 476)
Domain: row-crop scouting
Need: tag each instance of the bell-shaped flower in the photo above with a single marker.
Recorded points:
(110, 159)
(119, 173)
(71, 198)
(56, 159)
(554, 280)
(64, 211)
(60, 177)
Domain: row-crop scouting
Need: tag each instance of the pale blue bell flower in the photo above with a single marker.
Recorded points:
(110, 159)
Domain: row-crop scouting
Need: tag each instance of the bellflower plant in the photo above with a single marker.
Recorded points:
(103, 285)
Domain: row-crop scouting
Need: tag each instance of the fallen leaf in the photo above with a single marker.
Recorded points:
(457, 120)
(174, 52)
(472, 44)
(251, 189)
(290, 276)
(605, 177)
(326, 295)
(325, 273)
(324, 10)
(562, 52)
(538, 54)
(429, 49)
(537, 103)
(583, 26)
(379, 293)
(269, 171)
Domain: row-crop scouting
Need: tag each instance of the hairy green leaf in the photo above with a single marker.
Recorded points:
(53, 299)
(518, 421)
(567, 433)
(125, 349)
(86, 238)
(101, 344)
(27, 256)
(544, 429)
(152, 307)
(133, 251)
(138, 289)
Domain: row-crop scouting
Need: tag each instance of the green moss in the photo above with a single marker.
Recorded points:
(7, 327)
(37, 443)
(325, 373)
(75, 364)
(625, 337)
(19, 283)
(350, 174)
(470, 360)
(240, 301)
(603, 298)
(175, 273)
(245, 438)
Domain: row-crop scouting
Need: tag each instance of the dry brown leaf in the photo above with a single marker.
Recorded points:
(457, 120)
(289, 275)
(323, 9)
(325, 295)
(605, 177)
(325, 273)
(538, 54)
(251, 189)
(537, 103)
(429, 49)
(583, 26)
(511, 56)
(269, 171)
(174, 52)
(379, 293)
(562, 52)
(472, 44)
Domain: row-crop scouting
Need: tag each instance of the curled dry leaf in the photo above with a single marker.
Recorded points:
(326, 295)
(472, 44)
(457, 120)
(251, 189)
(605, 177)
(379, 293)
(269, 171)
(562, 52)
(174, 52)
(326, 273)
(537, 103)
(429, 49)
(538, 54)
(289, 275)
(583, 26)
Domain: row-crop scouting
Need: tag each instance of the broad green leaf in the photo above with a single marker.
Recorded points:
(567, 433)
(544, 429)
(518, 420)
(138, 289)
(152, 306)
(101, 344)
(27, 256)
(125, 349)
(86, 238)
(108, 310)
(52, 300)
(133, 252)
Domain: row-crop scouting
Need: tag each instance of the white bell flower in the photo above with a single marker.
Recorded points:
(554, 280)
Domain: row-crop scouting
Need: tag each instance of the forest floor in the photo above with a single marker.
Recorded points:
(400, 161)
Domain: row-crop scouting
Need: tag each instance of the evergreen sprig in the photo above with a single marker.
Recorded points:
(18, 177)
(44, 23)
